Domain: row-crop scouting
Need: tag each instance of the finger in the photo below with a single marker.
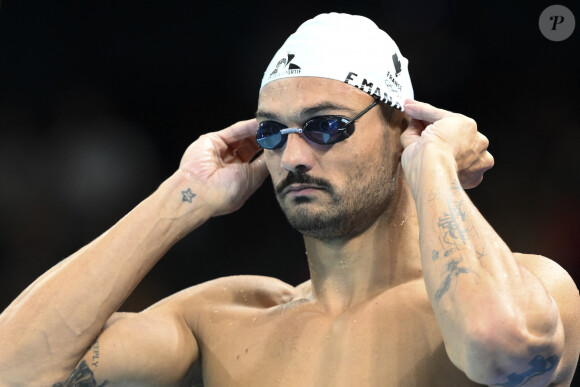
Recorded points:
(483, 141)
(239, 131)
(482, 164)
(425, 112)
(412, 133)
(471, 177)
(488, 161)
(246, 149)
(471, 182)
(417, 125)
(258, 173)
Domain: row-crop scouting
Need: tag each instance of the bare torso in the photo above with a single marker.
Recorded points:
(260, 339)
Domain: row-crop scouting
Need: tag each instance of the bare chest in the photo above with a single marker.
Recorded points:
(386, 342)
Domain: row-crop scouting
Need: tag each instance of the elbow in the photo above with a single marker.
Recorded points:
(511, 353)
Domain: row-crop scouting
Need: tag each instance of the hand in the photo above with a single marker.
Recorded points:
(220, 162)
(451, 132)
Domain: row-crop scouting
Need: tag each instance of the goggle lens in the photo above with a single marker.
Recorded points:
(269, 136)
(324, 130)
(321, 130)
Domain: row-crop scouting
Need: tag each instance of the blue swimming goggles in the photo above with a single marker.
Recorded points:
(324, 130)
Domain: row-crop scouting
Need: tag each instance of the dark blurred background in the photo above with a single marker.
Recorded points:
(99, 99)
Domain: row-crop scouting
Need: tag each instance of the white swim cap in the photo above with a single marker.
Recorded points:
(347, 48)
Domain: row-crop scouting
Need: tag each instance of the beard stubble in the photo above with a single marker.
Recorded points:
(347, 213)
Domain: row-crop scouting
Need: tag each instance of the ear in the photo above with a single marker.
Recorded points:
(404, 123)
(397, 120)
(398, 124)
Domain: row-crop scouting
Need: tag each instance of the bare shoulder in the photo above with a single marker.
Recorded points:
(554, 277)
(557, 281)
(241, 291)
(564, 291)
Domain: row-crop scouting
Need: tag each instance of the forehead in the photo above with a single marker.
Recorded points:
(299, 92)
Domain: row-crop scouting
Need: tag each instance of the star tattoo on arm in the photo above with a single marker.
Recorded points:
(187, 195)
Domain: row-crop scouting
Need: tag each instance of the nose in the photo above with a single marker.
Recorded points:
(297, 154)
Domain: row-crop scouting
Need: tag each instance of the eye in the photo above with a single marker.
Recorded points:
(268, 128)
(325, 129)
(268, 135)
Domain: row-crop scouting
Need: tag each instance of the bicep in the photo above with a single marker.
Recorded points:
(152, 347)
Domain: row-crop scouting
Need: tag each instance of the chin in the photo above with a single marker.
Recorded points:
(338, 217)
(326, 225)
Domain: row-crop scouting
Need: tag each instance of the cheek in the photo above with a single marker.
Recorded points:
(273, 164)
(370, 152)
(370, 161)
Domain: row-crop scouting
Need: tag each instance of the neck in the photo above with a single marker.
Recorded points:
(346, 272)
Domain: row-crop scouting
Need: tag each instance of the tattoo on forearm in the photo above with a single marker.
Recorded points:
(455, 236)
(453, 270)
(538, 366)
(82, 376)
(187, 195)
(435, 255)
(452, 225)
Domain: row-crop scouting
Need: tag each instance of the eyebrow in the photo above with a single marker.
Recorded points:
(309, 111)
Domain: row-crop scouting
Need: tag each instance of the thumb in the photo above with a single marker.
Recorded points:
(257, 174)
(412, 133)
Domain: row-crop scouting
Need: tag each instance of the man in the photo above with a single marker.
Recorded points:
(409, 286)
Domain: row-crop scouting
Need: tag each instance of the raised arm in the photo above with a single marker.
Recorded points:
(46, 331)
(500, 324)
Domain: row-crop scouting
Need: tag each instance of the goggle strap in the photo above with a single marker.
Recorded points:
(363, 112)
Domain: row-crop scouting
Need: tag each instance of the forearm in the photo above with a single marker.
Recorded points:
(57, 318)
(493, 314)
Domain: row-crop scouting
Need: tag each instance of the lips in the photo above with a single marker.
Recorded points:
(300, 182)
(301, 189)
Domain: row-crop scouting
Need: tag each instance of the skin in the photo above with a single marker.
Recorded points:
(413, 289)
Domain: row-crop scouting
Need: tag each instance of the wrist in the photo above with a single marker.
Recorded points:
(180, 199)
(430, 163)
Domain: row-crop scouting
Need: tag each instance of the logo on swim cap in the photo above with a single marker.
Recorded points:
(284, 67)
(397, 64)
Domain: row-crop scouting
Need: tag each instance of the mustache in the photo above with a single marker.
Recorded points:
(302, 178)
